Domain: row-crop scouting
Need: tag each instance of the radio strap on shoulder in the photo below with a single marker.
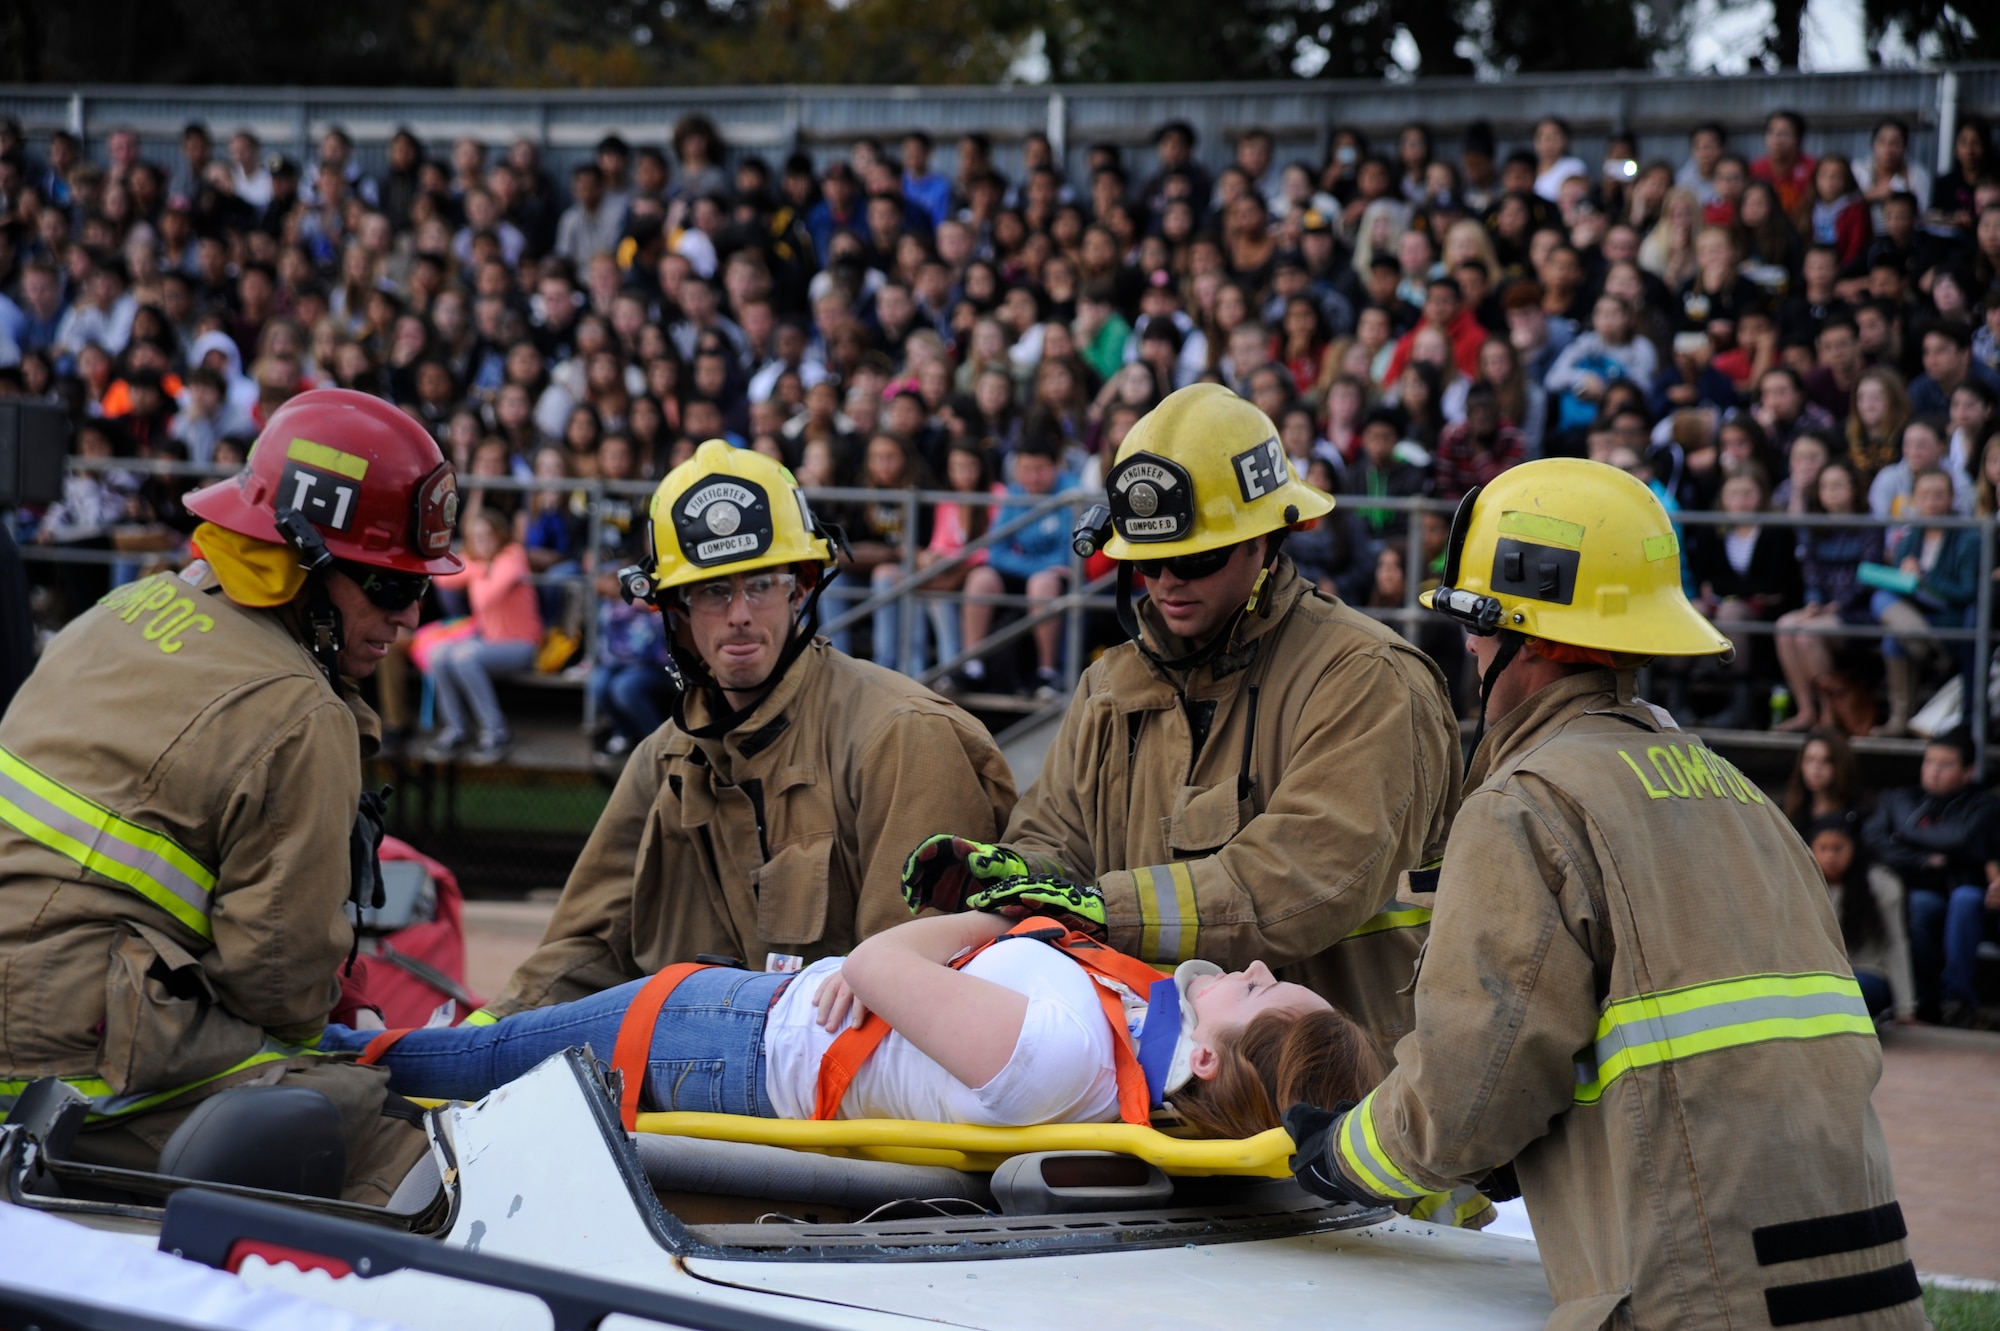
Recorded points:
(634, 1047)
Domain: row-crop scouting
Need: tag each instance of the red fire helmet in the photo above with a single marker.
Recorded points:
(361, 471)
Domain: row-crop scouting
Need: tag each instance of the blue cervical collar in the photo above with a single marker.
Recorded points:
(1159, 1036)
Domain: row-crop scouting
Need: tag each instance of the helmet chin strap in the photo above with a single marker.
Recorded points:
(1511, 643)
(695, 672)
(325, 633)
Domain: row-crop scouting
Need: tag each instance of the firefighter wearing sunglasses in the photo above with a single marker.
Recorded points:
(1251, 774)
(181, 812)
(767, 820)
(1635, 988)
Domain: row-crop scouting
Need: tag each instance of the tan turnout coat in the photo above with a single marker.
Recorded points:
(787, 835)
(1635, 989)
(1353, 777)
(173, 739)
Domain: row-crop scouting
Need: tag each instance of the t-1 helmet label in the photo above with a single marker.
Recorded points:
(325, 499)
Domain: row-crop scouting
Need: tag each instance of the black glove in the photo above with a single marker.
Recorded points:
(1077, 906)
(1502, 1185)
(1312, 1131)
(944, 868)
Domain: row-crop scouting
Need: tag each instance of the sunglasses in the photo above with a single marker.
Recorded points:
(1188, 568)
(385, 588)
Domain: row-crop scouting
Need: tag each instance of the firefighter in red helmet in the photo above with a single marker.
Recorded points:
(181, 813)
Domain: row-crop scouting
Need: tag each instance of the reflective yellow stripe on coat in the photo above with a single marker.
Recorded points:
(1722, 1014)
(1394, 916)
(1458, 1208)
(1642, 1031)
(1363, 1159)
(106, 1105)
(1169, 922)
(150, 863)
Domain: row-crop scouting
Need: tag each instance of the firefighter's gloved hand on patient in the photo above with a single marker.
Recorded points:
(1312, 1130)
(944, 869)
(1078, 906)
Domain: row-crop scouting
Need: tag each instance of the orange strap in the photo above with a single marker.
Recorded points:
(635, 1036)
(844, 1057)
(1135, 1099)
(381, 1045)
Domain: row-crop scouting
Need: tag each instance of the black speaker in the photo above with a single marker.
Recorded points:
(34, 445)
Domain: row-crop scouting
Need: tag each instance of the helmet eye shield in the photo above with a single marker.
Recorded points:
(1544, 569)
(1479, 614)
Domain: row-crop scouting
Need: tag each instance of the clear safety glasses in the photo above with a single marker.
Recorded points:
(757, 589)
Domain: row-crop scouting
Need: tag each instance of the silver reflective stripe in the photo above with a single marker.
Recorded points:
(90, 836)
(1633, 1032)
(1364, 1158)
(1166, 912)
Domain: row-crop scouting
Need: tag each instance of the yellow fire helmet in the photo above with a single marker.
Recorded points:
(728, 510)
(1203, 470)
(1572, 552)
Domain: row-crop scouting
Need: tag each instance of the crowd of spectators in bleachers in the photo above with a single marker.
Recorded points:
(1914, 873)
(1794, 333)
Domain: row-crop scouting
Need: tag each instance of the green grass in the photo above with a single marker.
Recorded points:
(545, 806)
(1962, 1310)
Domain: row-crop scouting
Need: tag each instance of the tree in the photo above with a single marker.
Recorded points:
(360, 42)
(1935, 29)
(1788, 21)
(866, 41)
(1545, 36)
(650, 43)
(1147, 41)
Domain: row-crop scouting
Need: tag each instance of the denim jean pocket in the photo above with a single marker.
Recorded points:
(694, 1085)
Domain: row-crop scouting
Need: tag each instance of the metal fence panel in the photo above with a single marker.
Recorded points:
(1840, 108)
(1979, 91)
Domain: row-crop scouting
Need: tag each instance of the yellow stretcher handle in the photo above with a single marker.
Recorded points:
(981, 1149)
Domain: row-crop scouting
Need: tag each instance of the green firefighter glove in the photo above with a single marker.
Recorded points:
(1079, 906)
(943, 868)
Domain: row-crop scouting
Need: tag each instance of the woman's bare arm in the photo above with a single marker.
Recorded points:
(967, 1025)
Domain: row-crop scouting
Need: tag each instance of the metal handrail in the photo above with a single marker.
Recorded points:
(910, 591)
(911, 499)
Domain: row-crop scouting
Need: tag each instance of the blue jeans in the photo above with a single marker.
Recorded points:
(834, 601)
(707, 1055)
(946, 627)
(1945, 933)
(553, 597)
(1875, 993)
(462, 671)
(629, 696)
(888, 620)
